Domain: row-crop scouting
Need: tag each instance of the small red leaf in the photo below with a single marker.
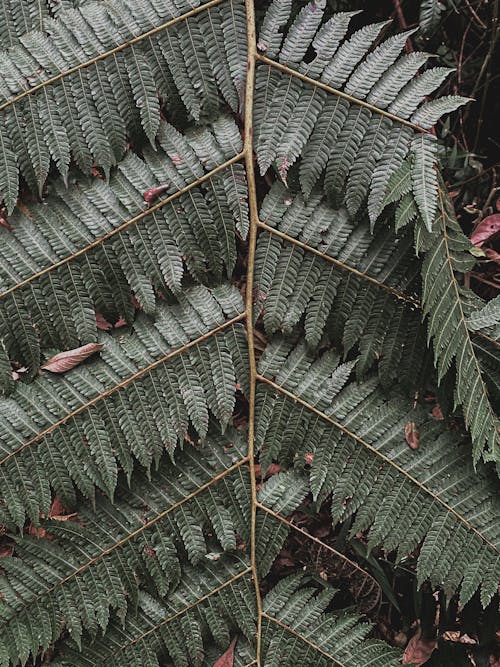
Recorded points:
(492, 255)
(273, 469)
(6, 551)
(102, 323)
(486, 229)
(309, 457)
(437, 413)
(411, 435)
(151, 194)
(227, 660)
(57, 508)
(64, 361)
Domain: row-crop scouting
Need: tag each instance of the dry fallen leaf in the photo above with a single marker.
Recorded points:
(418, 650)
(58, 512)
(151, 194)
(64, 361)
(411, 435)
(103, 324)
(486, 229)
(437, 413)
(227, 660)
(455, 636)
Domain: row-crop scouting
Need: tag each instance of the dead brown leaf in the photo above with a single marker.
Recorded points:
(437, 413)
(418, 650)
(64, 361)
(6, 551)
(411, 435)
(455, 636)
(227, 660)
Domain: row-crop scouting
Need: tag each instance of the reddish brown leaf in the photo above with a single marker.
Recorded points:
(227, 660)
(411, 435)
(4, 221)
(308, 458)
(437, 413)
(151, 194)
(102, 323)
(273, 469)
(492, 255)
(455, 636)
(486, 229)
(418, 650)
(38, 531)
(57, 508)
(64, 361)
(58, 512)
(6, 551)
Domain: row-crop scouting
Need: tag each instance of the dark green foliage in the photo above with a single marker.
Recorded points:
(132, 529)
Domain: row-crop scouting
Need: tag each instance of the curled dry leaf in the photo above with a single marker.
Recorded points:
(103, 324)
(227, 660)
(419, 649)
(64, 361)
(492, 255)
(151, 194)
(455, 636)
(411, 435)
(437, 413)
(486, 229)
(273, 469)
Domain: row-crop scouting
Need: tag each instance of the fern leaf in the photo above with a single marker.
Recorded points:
(297, 627)
(367, 471)
(446, 309)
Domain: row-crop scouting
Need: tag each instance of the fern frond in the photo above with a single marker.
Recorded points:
(179, 630)
(298, 627)
(447, 306)
(96, 243)
(430, 13)
(317, 264)
(337, 121)
(144, 51)
(362, 459)
(98, 561)
(97, 413)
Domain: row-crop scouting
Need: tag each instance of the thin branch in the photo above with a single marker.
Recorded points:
(340, 93)
(375, 451)
(252, 241)
(116, 49)
(319, 542)
(121, 385)
(123, 226)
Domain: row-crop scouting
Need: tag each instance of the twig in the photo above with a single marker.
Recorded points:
(403, 24)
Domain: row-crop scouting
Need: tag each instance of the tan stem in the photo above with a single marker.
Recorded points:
(252, 241)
